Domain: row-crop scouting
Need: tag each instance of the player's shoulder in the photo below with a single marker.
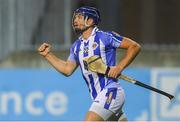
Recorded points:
(109, 37)
(75, 43)
(102, 33)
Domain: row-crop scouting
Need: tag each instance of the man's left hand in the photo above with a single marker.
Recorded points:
(114, 72)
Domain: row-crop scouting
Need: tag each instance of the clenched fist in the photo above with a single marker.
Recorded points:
(44, 49)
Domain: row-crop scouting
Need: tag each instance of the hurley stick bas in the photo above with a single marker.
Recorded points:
(95, 64)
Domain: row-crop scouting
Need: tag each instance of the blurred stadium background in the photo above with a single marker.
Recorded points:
(30, 88)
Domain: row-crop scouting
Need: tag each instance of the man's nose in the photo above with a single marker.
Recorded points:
(75, 22)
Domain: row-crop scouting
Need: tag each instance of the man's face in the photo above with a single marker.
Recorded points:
(79, 22)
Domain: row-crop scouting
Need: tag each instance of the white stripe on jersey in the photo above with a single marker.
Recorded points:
(91, 42)
(85, 72)
(96, 82)
(103, 55)
(89, 84)
(81, 57)
(116, 39)
(95, 76)
(75, 49)
(102, 51)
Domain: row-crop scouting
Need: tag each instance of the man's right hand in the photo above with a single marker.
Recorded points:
(44, 49)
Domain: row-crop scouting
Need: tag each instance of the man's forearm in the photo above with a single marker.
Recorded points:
(57, 63)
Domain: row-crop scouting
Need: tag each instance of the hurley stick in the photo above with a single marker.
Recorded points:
(95, 64)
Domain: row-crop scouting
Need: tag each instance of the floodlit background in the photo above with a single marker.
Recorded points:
(30, 89)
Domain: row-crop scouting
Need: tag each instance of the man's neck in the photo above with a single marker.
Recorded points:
(86, 34)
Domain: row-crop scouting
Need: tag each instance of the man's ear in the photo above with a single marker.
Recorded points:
(90, 21)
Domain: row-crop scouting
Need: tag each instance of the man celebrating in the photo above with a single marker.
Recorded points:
(106, 92)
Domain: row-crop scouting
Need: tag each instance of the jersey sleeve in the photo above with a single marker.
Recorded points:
(115, 39)
(72, 56)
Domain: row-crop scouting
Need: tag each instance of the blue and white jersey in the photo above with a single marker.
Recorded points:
(103, 44)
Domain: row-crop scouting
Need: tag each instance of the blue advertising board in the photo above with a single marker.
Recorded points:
(33, 94)
(45, 94)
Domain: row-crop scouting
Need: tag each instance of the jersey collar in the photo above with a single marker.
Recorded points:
(95, 29)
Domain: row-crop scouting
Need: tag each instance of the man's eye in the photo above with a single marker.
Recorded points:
(78, 17)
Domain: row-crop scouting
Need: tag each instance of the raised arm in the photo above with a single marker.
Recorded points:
(64, 67)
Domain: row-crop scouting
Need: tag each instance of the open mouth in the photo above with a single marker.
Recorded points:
(75, 25)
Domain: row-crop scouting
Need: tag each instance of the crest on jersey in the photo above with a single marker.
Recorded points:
(94, 46)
